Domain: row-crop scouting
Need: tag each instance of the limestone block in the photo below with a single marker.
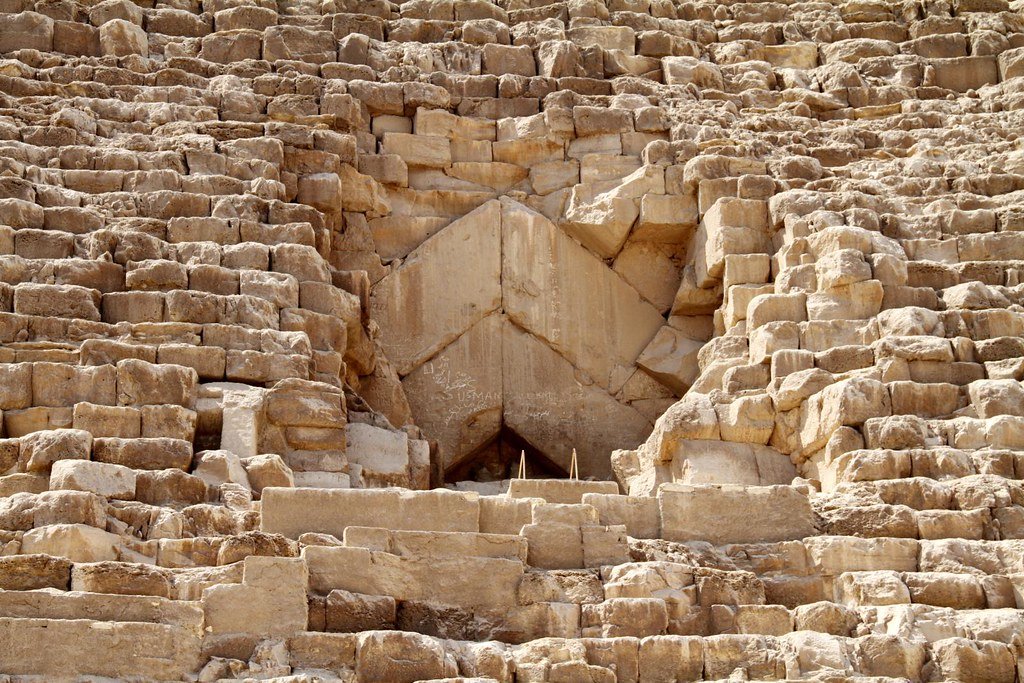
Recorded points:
(543, 276)
(59, 384)
(961, 659)
(456, 397)
(418, 150)
(860, 589)
(267, 470)
(140, 383)
(858, 301)
(825, 617)
(61, 301)
(652, 269)
(668, 218)
(400, 657)
(748, 419)
(291, 512)
(500, 515)
(640, 515)
(298, 43)
(559, 491)
(107, 480)
(800, 55)
(604, 545)
(352, 612)
(77, 542)
(624, 617)
(220, 467)
(15, 386)
(271, 600)
(32, 572)
(685, 70)
(26, 31)
(671, 358)
(121, 578)
(671, 658)
(39, 450)
(40, 645)
(849, 402)
(168, 421)
(170, 487)
(433, 268)
(601, 222)
(548, 405)
(554, 546)
(382, 453)
(965, 73)
(725, 653)
(832, 555)
(245, 16)
(941, 589)
(686, 513)
(144, 453)
(119, 38)
(993, 397)
(558, 59)
(478, 583)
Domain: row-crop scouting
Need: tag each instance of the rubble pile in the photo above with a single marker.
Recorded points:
(287, 286)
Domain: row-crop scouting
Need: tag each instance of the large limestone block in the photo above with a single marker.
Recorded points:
(446, 579)
(730, 226)
(685, 70)
(600, 222)
(61, 301)
(548, 405)
(561, 293)
(419, 150)
(833, 555)
(292, 512)
(77, 542)
(382, 453)
(72, 648)
(26, 31)
(270, 601)
(400, 657)
(39, 450)
(120, 38)
(122, 578)
(724, 514)
(850, 402)
(32, 572)
(140, 383)
(456, 397)
(993, 397)
(671, 658)
(445, 286)
(671, 358)
(105, 479)
(561, 491)
(963, 659)
(639, 514)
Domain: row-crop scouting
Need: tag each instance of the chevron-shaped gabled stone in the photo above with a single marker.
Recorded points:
(544, 358)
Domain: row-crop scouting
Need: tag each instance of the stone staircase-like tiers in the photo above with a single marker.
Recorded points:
(286, 286)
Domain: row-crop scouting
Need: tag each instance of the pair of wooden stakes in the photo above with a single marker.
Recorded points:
(574, 468)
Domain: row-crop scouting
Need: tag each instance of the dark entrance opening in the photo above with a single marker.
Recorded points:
(499, 459)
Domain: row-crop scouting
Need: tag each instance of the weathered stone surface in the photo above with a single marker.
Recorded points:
(259, 263)
(287, 511)
(721, 514)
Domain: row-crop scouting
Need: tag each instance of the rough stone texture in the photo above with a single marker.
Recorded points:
(268, 271)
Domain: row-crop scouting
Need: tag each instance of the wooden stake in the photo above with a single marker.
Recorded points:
(522, 465)
(574, 467)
